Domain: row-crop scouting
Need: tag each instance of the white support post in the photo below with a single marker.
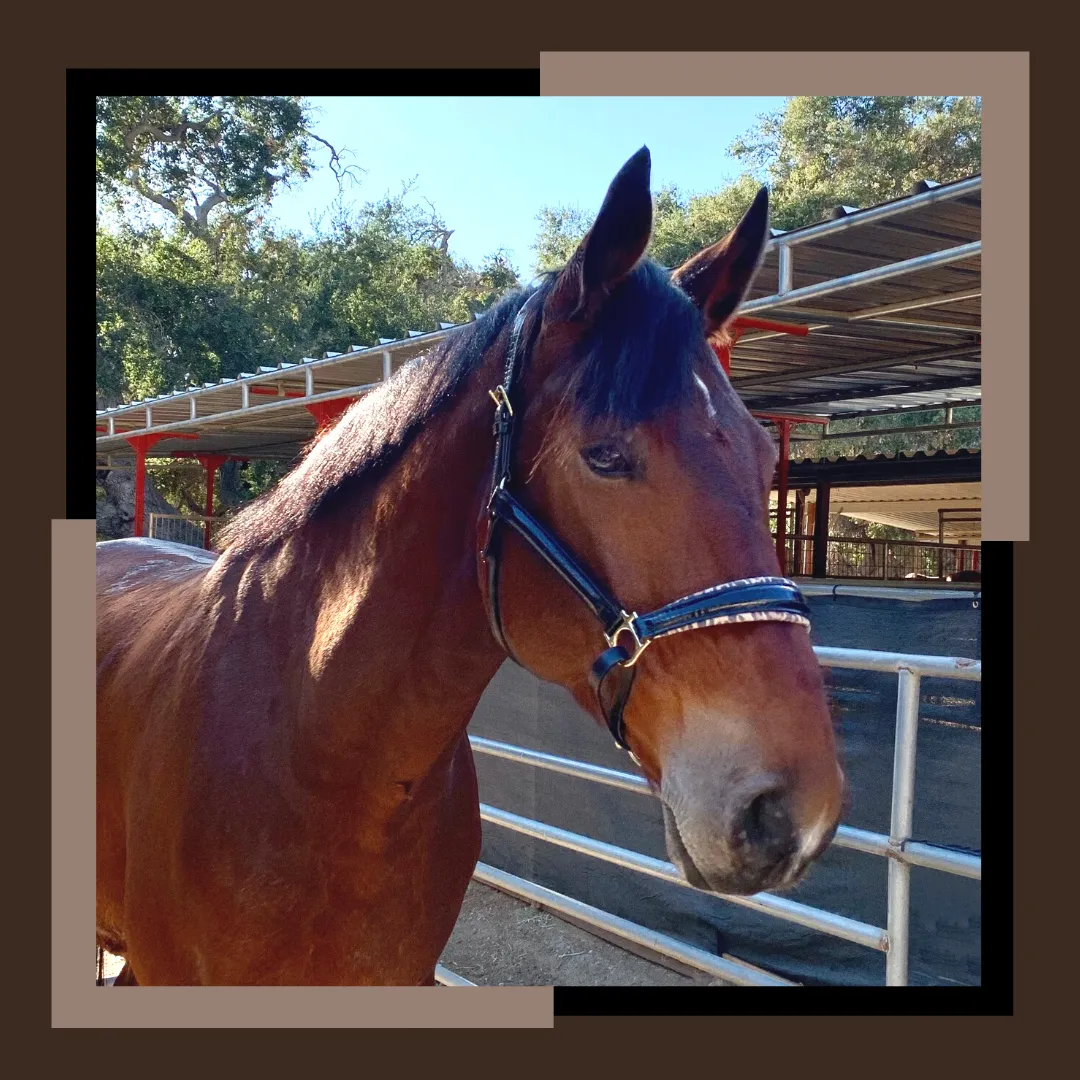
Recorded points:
(309, 382)
(784, 256)
(903, 804)
(386, 368)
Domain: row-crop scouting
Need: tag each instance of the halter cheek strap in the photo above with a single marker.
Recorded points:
(628, 635)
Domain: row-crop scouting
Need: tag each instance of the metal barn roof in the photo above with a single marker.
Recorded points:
(890, 296)
(915, 507)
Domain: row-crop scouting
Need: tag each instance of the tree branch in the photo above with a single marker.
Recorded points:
(165, 203)
(202, 210)
(340, 171)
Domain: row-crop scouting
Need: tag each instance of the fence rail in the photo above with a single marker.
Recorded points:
(883, 560)
(184, 528)
(898, 846)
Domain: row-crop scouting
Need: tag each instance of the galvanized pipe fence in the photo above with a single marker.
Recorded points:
(898, 846)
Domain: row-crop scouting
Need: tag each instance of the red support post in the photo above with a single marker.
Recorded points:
(723, 354)
(326, 412)
(271, 392)
(142, 443)
(781, 495)
(748, 322)
(211, 463)
(723, 350)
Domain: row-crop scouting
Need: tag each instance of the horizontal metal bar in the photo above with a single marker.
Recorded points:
(255, 410)
(952, 667)
(868, 432)
(865, 365)
(897, 544)
(916, 305)
(930, 261)
(873, 937)
(914, 593)
(896, 410)
(929, 855)
(721, 967)
(445, 977)
(962, 863)
(871, 843)
(877, 213)
(294, 371)
(567, 766)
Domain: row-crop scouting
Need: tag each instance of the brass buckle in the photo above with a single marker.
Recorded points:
(501, 399)
(626, 623)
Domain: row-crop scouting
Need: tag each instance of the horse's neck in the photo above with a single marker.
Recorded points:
(399, 649)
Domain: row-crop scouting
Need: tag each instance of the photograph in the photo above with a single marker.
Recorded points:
(538, 541)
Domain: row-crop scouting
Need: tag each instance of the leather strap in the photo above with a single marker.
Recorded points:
(760, 599)
(610, 660)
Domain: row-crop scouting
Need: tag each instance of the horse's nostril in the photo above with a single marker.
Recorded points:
(766, 829)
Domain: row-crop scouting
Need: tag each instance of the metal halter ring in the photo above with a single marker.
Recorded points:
(626, 623)
(501, 399)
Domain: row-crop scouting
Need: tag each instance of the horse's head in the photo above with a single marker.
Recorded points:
(634, 450)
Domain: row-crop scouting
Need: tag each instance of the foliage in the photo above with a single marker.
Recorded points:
(814, 154)
(864, 442)
(821, 152)
(186, 297)
(189, 155)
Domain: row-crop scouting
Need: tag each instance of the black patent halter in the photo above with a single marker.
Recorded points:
(758, 599)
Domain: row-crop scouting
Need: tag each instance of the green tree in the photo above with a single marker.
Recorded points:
(173, 313)
(814, 154)
(189, 155)
(821, 152)
(862, 440)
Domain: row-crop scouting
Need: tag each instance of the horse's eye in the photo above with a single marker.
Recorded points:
(607, 459)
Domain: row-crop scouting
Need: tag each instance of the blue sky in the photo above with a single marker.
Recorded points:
(489, 164)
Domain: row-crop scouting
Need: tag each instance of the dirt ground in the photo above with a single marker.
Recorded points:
(502, 941)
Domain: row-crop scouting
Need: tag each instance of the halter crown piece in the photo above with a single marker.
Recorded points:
(757, 599)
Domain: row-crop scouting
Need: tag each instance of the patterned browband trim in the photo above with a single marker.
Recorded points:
(760, 599)
(742, 617)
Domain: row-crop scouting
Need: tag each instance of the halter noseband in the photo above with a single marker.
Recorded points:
(757, 599)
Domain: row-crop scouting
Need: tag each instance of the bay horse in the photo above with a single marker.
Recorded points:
(285, 789)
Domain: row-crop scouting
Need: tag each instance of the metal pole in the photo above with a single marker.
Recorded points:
(903, 802)
(867, 277)
(720, 967)
(211, 468)
(962, 189)
(140, 485)
(445, 977)
(821, 530)
(873, 937)
(800, 530)
(782, 494)
(783, 253)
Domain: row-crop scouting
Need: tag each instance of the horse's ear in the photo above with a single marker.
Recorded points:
(614, 244)
(718, 278)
